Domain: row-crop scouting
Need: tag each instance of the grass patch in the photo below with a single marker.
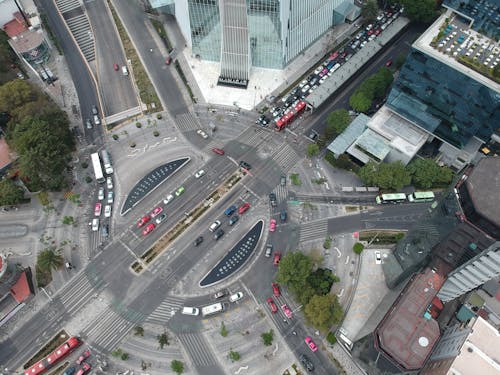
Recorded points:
(382, 238)
(184, 79)
(319, 181)
(56, 341)
(294, 177)
(147, 93)
(351, 208)
(162, 33)
(43, 198)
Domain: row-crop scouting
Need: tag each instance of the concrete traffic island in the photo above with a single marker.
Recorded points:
(168, 238)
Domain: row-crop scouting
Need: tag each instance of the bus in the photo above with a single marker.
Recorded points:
(391, 198)
(108, 168)
(212, 309)
(421, 196)
(96, 163)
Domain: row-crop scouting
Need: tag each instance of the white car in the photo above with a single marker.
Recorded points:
(100, 194)
(200, 173)
(95, 225)
(378, 257)
(190, 311)
(168, 199)
(110, 197)
(236, 297)
(202, 134)
(107, 211)
(109, 182)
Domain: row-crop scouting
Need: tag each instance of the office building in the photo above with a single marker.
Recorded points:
(449, 87)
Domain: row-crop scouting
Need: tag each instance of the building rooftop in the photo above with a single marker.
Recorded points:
(483, 186)
(454, 42)
(372, 145)
(27, 40)
(408, 332)
(483, 14)
(15, 26)
(341, 143)
(479, 353)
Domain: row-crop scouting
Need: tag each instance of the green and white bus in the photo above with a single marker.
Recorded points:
(391, 198)
(421, 196)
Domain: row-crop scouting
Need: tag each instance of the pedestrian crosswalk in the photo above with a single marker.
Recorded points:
(314, 230)
(281, 193)
(286, 157)
(82, 32)
(187, 122)
(198, 349)
(253, 137)
(112, 325)
(163, 313)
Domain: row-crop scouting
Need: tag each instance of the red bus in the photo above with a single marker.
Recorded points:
(46, 363)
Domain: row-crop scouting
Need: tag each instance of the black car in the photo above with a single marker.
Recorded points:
(198, 241)
(218, 234)
(233, 219)
(283, 216)
(70, 371)
(244, 164)
(306, 362)
(272, 199)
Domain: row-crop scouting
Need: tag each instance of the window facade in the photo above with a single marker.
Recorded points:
(444, 101)
(204, 18)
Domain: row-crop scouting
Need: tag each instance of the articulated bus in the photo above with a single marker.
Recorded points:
(212, 309)
(96, 163)
(391, 198)
(421, 196)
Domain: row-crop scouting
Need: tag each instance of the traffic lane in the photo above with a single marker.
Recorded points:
(81, 77)
(341, 99)
(165, 84)
(117, 92)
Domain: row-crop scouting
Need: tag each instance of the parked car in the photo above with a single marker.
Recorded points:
(168, 61)
(88, 124)
(110, 197)
(272, 225)
(272, 305)
(202, 134)
(198, 241)
(116, 67)
(97, 209)
(219, 294)
(109, 182)
(218, 151)
(83, 357)
(95, 225)
(233, 219)
(143, 220)
(306, 362)
(218, 234)
(286, 310)
(388, 63)
(107, 210)
(235, 297)
(378, 257)
(276, 289)
(149, 228)
(160, 219)
(199, 174)
(230, 210)
(244, 208)
(100, 194)
(84, 369)
(277, 258)
(69, 371)
(272, 199)
(311, 344)
(156, 212)
(105, 231)
(269, 250)
(95, 111)
(216, 224)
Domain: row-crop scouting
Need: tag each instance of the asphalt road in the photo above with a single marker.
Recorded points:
(87, 94)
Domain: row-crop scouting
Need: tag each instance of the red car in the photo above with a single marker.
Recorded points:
(84, 369)
(272, 225)
(277, 258)
(244, 207)
(149, 228)
(156, 212)
(143, 220)
(218, 151)
(116, 67)
(168, 61)
(83, 357)
(388, 63)
(272, 305)
(310, 343)
(97, 209)
(276, 290)
(286, 310)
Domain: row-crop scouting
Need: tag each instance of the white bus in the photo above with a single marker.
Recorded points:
(391, 198)
(96, 163)
(421, 196)
(212, 309)
(108, 168)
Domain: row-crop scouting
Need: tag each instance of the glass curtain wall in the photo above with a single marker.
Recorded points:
(204, 18)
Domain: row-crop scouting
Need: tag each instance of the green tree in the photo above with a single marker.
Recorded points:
(163, 340)
(338, 121)
(14, 94)
(369, 10)
(358, 248)
(267, 337)
(422, 11)
(323, 311)
(294, 268)
(223, 330)
(50, 259)
(425, 173)
(359, 102)
(68, 220)
(234, 356)
(321, 281)
(385, 175)
(305, 294)
(139, 331)
(312, 150)
(10, 193)
(177, 366)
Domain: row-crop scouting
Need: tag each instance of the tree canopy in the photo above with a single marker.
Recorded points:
(391, 176)
(369, 10)
(374, 87)
(425, 173)
(323, 311)
(421, 11)
(337, 121)
(50, 259)
(10, 193)
(312, 150)
(177, 366)
(294, 268)
(359, 102)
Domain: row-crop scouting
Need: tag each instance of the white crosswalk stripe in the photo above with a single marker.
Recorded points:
(281, 193)
(187, 122)
(253, 137)
(163, 313)
(198, 349)
(286, 157)
(313, 230)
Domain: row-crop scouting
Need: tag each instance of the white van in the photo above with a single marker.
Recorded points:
(194, 311)
(124, 70)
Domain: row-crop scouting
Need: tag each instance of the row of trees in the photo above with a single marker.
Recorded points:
(421, 11)
(373, 88)
(312, 289)
(39, 133)
(422, 173)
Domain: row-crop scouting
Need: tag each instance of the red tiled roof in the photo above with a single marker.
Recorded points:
(15, 27)
(21, 289)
